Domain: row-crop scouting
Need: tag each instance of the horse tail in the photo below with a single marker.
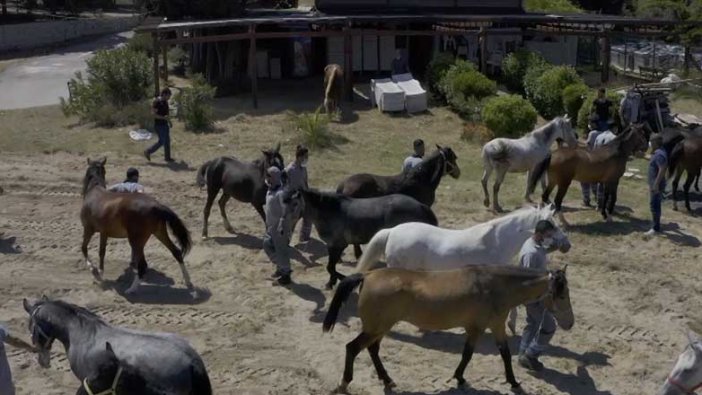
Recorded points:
(697, 182)
(177, 227)
(537, 173)
(343, 291)
(340, 187)
(200, 380)
(201, 179)
(374, 250)
(675, 156)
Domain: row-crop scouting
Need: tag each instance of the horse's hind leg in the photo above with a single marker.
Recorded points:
(562, 190)
(88, 233)
(137, 243)
(612, 204)
(686, 189)
(353, 348)
(472, 335)
(499, 177)
(223, 211)
(676, 182)
(334, 258)
(103, 247)
(162, 236)
(501, 340)
(484, 181)
(374, 350)
(211, 195)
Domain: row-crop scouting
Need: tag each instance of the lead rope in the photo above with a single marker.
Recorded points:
(111, 391)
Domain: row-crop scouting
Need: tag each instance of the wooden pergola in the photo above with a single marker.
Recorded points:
(346, 26)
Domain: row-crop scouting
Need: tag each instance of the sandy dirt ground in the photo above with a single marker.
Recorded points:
(632, 298)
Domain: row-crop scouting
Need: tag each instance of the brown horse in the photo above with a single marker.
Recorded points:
(686, 156)
(605, 164)
(474, 298)
(333, 87)
(135, 216)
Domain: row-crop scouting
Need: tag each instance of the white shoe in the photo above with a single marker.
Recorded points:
(651, 233)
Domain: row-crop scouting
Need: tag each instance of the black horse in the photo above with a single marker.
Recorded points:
(420, 182)
(114, 377)
(242, 181)
(341, 220)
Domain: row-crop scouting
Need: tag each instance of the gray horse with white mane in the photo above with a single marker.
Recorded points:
(166, 361)
(521, 155)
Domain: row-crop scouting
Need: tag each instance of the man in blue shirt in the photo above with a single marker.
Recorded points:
(656, 181)
(416, 158)
(130, 184)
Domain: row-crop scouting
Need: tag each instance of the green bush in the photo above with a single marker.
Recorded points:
(194, 104)
(313, 128)
(436, 70)
(531, 78)
(515, 66)
(177, 58)
(509, 116)
(551, 6)
(547, 93)
(573, 98)
(586, 109)
(141, 42)
(464, 88)
(114, 81)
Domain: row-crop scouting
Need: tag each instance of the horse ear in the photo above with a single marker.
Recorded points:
(103, 161)
(27, 306)
(277, 147)
(108, 348)
(89, 161)
(438, 147)
(565, 268)
(44, 298)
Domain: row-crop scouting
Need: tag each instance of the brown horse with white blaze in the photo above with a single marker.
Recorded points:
(333, 87)
(134, 216)
(473, 298)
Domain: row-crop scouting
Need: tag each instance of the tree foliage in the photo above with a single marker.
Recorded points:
(551, 6)
(509, 116)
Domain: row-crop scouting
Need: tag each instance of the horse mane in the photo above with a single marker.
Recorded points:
(507, 270)
(84, 315)
(325, 200)
(545, 131)
(91, 179)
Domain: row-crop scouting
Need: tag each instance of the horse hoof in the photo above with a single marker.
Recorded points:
(343, 388)
(390, 384)
(205, 237)
(229, 229)
(329, 286)
(486, 203)
(498, 209)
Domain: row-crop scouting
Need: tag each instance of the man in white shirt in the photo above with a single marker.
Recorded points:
(416, 158)
(130, 185)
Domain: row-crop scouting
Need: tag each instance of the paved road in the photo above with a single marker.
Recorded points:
(41, 81)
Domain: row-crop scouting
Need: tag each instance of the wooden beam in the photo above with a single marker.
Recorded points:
(253, 65)
(606, 57)
(155, 50)
(348, 66)
(483, 50)
(164, 50)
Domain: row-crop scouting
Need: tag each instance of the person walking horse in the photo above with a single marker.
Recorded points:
(416, 158)
(130, 184)
(276, 242)
(656, 182)
(6, 385)
(162, 124)
(296, 173)
(540, 323)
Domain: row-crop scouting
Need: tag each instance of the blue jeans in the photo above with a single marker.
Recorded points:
(656, 200)
(164, 139)
(602, 125)
(538, 331)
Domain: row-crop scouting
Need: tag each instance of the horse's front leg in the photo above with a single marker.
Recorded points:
(334, 257)
(613, 198)
(562, 190)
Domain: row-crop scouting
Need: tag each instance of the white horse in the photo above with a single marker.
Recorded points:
(686, 376)
(521, 155)
(417, 246)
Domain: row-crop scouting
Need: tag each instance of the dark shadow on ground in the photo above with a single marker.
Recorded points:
(243, 240)
(673, 233)
(9, 245)
(174, 166)
(314, 295)
(157, 288)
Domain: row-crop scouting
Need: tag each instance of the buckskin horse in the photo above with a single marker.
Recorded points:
(134, 216)
(244, 181)
(333, 87)
(474, 298)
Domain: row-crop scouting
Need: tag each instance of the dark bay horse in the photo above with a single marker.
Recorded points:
(333, 87)
(341, 220)
(473, 298)
(605, 164)
(112, 376)
(244, 181)
(420, 182)
(685, 157)
(166, 361)
(135, 216)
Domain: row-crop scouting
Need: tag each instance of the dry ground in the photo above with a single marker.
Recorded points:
(632, 298)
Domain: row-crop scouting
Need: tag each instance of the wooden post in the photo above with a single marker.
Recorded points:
(482, 40)
(253, 66)
(155, 50)
(626, 53)
(653, 63)
(606, 57)
(348, 66)
(164, 50)
(686, 59)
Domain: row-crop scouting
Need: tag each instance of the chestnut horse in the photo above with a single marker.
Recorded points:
(473, 298)
(333, 87)
(135, 216)
(605, 164)
(686, 156)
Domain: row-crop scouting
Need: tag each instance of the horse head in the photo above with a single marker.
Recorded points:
(557, 300)
(95, 174)
(565, 131)
(41, 330)
(686, 376)
(560, 239)
(450, 161)
(634, 142)
(272, 157)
